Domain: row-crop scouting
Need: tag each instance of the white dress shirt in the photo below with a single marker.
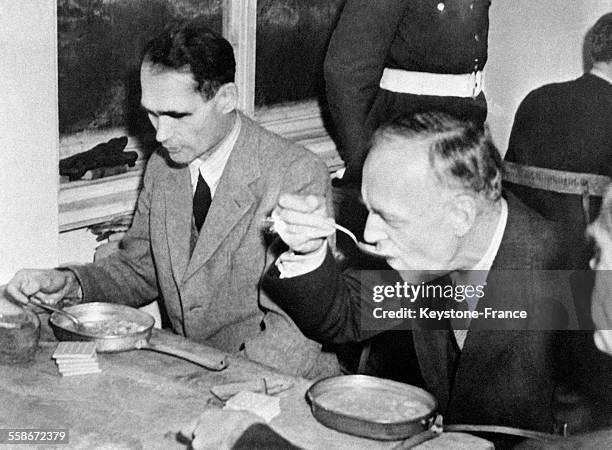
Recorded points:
(478, 274)
(213, 165)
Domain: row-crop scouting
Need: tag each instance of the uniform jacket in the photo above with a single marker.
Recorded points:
(419, 35)
(564, 126)
(213, 295)
(520, 378)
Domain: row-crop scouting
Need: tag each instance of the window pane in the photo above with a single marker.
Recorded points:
(292, 38)
(99, 47)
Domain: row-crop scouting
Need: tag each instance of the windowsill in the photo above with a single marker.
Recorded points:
(84, 203)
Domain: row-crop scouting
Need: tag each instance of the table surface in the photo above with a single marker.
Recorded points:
(142, 398)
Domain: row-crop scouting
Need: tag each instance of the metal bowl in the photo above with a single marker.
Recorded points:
(64, 329)
(353, 385)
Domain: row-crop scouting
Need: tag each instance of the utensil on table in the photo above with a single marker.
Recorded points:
(91, 314)
(76, 322)
(363, 423)
(270, 224)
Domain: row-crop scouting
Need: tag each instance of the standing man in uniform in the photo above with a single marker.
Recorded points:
(392, 57)
(196, 241)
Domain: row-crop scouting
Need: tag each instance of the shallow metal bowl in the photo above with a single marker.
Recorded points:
(351, 385)
(65, 330)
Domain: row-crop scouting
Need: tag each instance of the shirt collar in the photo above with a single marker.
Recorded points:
(213, 166)
(486, 261)
(477, 275)
(600, 74)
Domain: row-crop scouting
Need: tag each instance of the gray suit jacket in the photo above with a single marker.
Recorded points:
(213, 296)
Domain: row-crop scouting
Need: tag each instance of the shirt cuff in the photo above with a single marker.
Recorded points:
(290, 265)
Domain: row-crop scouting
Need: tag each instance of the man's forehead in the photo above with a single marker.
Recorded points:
(399, 167)
(393, 154)
(164, 88)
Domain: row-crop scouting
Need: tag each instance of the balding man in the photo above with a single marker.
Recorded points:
(432, 187)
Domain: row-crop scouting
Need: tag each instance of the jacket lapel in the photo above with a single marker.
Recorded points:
(432, 352)
(233, 197)
(178, 197)
(482, 348)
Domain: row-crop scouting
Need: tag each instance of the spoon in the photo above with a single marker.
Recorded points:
(271, 224)
(77, 323)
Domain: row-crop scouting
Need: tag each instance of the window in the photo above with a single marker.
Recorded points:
(292, 38)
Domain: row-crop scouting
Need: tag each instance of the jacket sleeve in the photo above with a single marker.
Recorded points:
(353, 66)
(325, 304)
(128, 275)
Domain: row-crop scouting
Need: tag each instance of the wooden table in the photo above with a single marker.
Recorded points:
(142, 398)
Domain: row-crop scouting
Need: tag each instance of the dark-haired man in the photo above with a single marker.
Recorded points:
(432, 186)
(568, 127)
(196, 241)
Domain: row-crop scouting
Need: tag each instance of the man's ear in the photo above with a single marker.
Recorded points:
(462, 213)
(227, 98)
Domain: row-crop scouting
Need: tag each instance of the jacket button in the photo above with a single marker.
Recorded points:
(477, 37)
(441, 6)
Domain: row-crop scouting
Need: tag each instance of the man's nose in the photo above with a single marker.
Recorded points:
(374, 231)
(164, 129)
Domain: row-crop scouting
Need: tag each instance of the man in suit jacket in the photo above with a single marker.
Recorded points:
(197, 239)
(432, 186)
(568, 126)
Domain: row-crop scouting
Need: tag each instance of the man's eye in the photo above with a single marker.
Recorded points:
(177, 115)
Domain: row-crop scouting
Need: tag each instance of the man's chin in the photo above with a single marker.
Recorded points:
(177, 158)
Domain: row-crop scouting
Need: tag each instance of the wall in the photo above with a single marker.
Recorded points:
(532, 43)
(28, 142)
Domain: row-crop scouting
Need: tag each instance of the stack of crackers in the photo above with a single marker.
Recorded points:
(76, 358)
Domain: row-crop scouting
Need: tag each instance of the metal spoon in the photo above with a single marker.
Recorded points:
(77, 323)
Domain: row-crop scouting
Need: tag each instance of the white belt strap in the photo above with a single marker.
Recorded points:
(439, 84)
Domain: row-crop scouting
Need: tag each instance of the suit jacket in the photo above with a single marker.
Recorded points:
(564, 126)
(213, 295)
(416, 35)
(522, 378)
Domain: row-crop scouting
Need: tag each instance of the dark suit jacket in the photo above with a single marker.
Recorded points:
(411, 35)
(213, 295)
(564, 126)
(519, 378)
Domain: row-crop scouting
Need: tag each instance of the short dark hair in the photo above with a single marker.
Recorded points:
(601, 39)
(460, 152)
(190, 46)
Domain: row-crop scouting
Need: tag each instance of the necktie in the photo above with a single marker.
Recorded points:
(459, 326)
(201, 202)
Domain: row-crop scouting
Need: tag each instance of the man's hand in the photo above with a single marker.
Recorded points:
(216, 429)
(47, 286)
(305, 223)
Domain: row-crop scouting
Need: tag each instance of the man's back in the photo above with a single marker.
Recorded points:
(564, 126)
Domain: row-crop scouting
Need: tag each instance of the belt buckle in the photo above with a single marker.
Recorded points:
(476, 82)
